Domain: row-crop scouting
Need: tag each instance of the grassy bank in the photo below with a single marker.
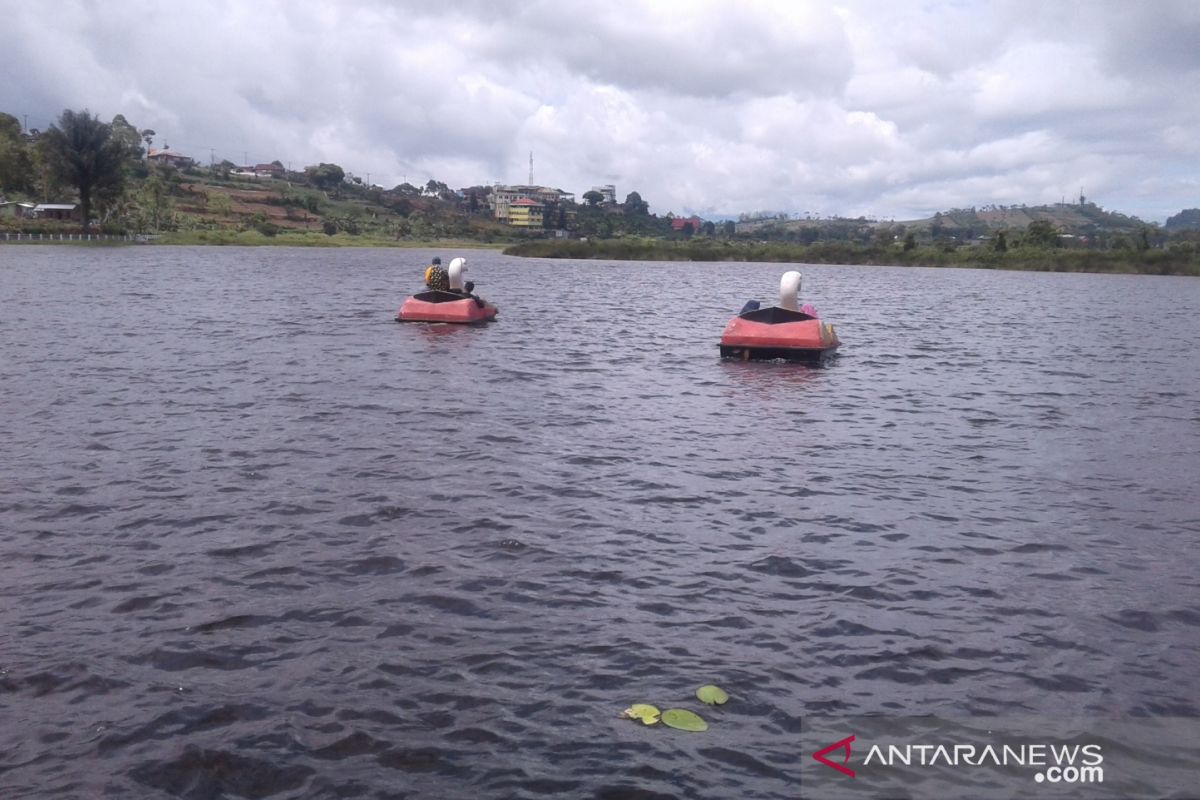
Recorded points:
(1177, 260)
(253, 238)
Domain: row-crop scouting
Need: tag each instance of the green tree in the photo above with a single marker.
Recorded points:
(128, 135)
(82, 151)
(10, 127)
(1000, 242)
(16, 165)
(593, 198)
(1040, 233)
(635, 206)
(437, 189)
(157, 197)
(1142, 243)
(325, 176)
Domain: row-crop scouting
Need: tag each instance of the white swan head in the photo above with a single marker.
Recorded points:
(789, 290)
(455, 272)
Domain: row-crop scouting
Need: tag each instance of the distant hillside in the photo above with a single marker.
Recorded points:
(1187, 220)
(165, 194)
(1079, 219)
(1083, 224)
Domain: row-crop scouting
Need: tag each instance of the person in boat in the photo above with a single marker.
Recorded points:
(436, 277)
(751, 305)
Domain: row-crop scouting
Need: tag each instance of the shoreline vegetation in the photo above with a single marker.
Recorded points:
(1173, 261)
(85, 176)
(253, 238)
(1179, 261)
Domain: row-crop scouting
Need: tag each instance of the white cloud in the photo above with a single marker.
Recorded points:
(714, 107)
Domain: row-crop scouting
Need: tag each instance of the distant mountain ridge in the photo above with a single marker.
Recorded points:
(1068, 218)
(1082, 223)
(1186, 220)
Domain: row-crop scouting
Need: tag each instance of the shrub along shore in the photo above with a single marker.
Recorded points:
(1182, 259)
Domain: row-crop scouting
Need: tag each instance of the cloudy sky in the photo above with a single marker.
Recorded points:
(885, 108)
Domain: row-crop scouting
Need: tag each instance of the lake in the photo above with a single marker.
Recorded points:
(259, 540)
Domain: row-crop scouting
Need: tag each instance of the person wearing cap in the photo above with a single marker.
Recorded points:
(436, 277)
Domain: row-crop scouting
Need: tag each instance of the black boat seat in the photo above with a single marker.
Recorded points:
(774, 315)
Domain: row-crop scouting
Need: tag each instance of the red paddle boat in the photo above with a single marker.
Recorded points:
(787, 331)
(456, 305)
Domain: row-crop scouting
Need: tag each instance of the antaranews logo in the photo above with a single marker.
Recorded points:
(844, 744)
(1054, 763)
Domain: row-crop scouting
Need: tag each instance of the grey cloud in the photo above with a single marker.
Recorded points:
(854, 107)
(701, 50)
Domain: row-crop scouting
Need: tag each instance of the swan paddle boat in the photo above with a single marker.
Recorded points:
(788, 331)
(456, 305)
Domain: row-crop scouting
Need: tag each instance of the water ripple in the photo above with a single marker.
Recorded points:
(277, 546)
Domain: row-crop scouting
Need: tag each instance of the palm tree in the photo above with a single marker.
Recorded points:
(82, 151)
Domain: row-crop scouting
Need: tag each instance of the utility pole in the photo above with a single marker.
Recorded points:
(531, 168)
(26, 123)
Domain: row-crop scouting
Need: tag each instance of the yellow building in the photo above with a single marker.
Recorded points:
(525, 213)
(501, 197)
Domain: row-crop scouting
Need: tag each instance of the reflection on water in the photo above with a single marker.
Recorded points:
(776, 376)
(259, 540)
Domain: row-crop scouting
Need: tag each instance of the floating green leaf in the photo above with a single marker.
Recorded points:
(713, 695)
(683, 719)
(646, 713)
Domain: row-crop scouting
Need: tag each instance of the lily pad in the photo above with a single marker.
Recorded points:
(648, 714)
(684, 720)
(713, 695)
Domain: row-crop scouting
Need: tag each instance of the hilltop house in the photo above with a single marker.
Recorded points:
(272, 170)
(170, 158)
(608, 191)
(678, 223)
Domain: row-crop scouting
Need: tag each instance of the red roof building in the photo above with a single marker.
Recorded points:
(678, 223)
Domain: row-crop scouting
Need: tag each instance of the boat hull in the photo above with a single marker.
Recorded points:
(439, 306)
(775, 333)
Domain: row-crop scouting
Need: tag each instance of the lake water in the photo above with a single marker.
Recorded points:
(259, 540)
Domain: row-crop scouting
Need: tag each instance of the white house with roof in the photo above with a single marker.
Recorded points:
(14, 209)
(67, 212)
